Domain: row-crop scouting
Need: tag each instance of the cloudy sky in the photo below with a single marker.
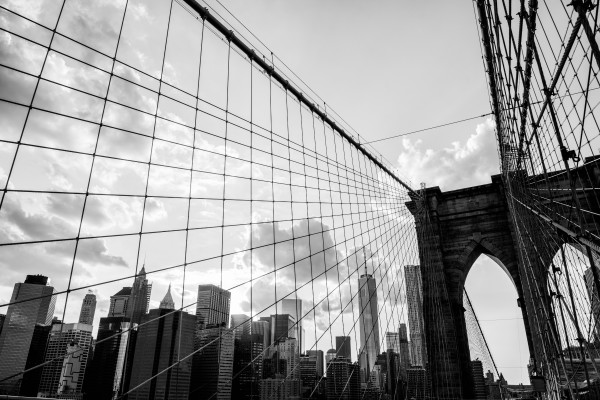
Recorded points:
(396, 67)
(385, 70)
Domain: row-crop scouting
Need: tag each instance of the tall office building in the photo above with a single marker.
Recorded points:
(343, 379)
(67, 353)
(369, 325)
(287, 350)
(139, 300)
(418, 386)
(107, 370)
(317, 357)
(414, 298)
(36, 356)
(394, 374)
(241, 325)
(247, 367)
(330, 356)
(392, 341)
(343, 347)
(19, 325)
(212, 307)
(262, 327)
(293, 307)
(213, 363)
(282, 326)
(2, 319)
(588, 277)
(119, 302)
(404, 351)
(311, 371)
(308, 376)
(88, 309)
(164, 337)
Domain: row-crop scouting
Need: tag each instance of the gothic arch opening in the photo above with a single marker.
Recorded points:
(492, 292)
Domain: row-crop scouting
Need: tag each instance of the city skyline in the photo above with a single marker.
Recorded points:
(215, 302)
(172, 184)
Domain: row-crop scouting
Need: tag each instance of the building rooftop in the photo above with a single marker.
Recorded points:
(126, 291)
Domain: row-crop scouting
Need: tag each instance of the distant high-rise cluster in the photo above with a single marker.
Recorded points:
(142, 353)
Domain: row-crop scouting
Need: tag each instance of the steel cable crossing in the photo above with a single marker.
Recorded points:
(150, 143)
(548, 147)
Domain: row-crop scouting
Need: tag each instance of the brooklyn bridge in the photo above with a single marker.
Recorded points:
(182, 217)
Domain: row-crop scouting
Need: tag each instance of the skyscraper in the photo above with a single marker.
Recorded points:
(287, 350)
(107, 369)
(343, 347)
(282, 326)
(404, 350)
(36, 356)
(392, 341)
(165, 337)
(317, 357)
(263, 327)
(330, 356)
(293, 307)
(283, 379)
(311, 370)
(414, 298)
(212, 307)
(417, 384)
(88, 309)
(213, 363)
(343, 380)
(247, 367)
(139, 300)
(369, 325)
(240, 323)
(67, 352)
(119, 302)
(19, 326)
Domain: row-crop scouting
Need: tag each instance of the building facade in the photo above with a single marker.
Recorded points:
(19, 325)
(67, 354)
(119, 303)
(212, 363)
(293, 307)
(157, 347)
(414, 298)
(212, 307)
(392, 341)
(106, 380)
(247, 367)
(343, 380)
(343, 347)
(241, 325)
(368, 325)
(88, 309)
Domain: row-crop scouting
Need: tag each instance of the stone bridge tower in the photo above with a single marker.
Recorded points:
(454, 228)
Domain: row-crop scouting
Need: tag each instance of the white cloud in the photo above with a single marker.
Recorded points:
(460, 165)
